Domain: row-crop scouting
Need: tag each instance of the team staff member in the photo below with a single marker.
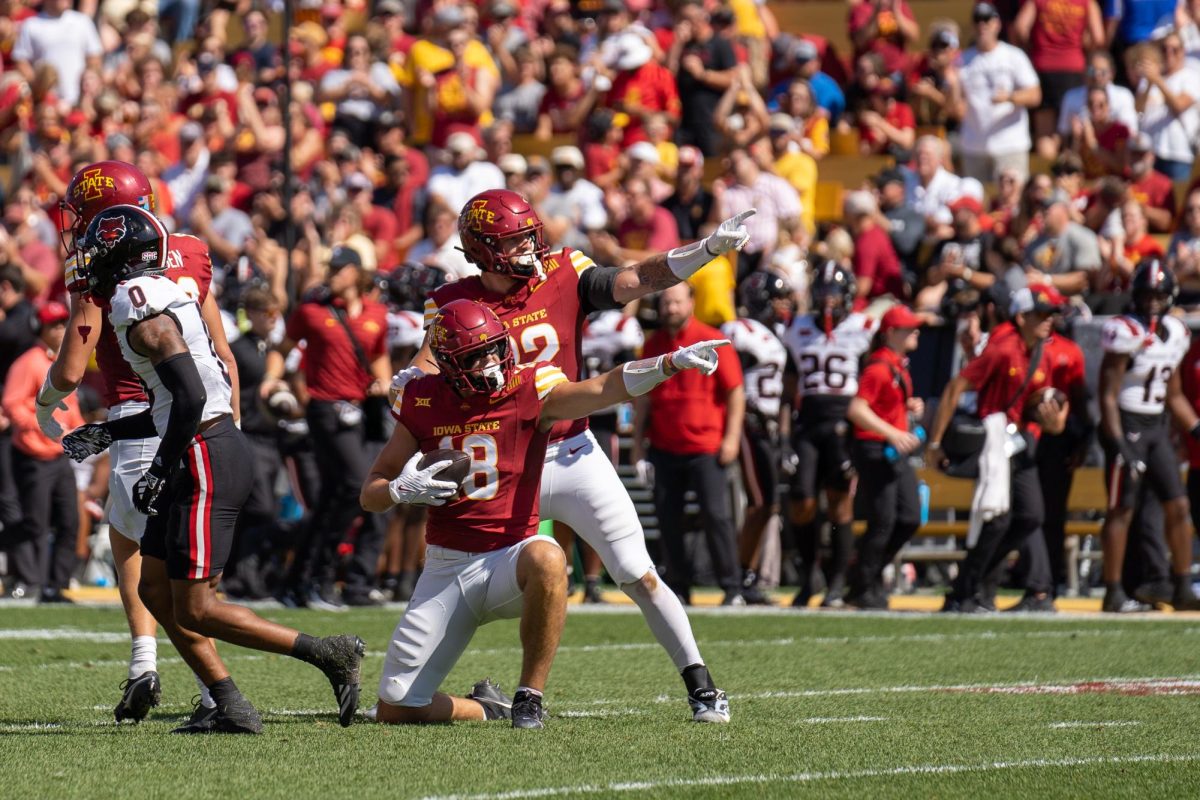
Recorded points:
(880, 413)
(1005, 373)
(694, 426)
(43, 474)
(345, 361)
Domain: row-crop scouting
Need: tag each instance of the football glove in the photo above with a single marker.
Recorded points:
(645, 473)
(46, 420)
(85, 441)
(418, 487)
(701, 356)
(149, 487)
(730, 234)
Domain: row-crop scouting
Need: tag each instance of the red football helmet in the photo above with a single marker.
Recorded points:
(463, 334)
(99, 186)
(492, 217)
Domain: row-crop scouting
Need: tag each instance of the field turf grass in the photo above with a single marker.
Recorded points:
(824, 704)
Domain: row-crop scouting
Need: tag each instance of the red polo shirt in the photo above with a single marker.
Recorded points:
(1065, 360)
(998, 372)
(331, 367)
(687, 413)
(875, 258)
(886, 386)
(1189, 375)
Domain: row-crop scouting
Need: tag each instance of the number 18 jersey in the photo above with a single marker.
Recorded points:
(1153, 358)
(829, 364)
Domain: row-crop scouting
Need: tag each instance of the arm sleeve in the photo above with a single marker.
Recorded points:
(178, 374)
(596, 288)
(139, 426)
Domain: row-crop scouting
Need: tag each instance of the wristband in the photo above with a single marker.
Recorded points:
(968, 273)
(643, 375)
(49, 395)
(687, 260)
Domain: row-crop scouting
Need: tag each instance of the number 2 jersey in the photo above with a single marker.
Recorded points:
(190, 266)
(763, 358)
(499, 503)
(1153, 358)
(146, 296)
(828, 364)
(544, 318)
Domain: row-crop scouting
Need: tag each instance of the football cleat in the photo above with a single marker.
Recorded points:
(527, 711)
(203, 719)
(709, 705)
(1185, 600)
(1116, 602)
(140, 695)
(496, 704)
(591, 593)
(1155, 593)
(339, 658)
(236, 716)
(1032, 604)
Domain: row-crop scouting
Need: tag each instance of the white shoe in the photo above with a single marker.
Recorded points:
(709, 705)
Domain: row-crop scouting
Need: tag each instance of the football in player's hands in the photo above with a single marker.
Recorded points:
(1036, 398)
(454, 472)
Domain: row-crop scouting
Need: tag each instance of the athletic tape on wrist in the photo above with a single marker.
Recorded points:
(685, 261)
(49, 395)
(643, 375)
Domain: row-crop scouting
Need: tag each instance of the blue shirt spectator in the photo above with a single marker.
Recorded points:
(1137, 19)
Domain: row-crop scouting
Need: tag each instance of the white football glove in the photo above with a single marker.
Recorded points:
(86, 441)
(404, 376)
(418, 487)
(730, 234)
(46, 420)
(645, 473)
(701, 356)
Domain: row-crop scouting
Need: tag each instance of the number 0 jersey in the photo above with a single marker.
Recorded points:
(828, 365)
(1152, 360)
(148, 296)
(544, 318)
(500, 504)
(763, 358)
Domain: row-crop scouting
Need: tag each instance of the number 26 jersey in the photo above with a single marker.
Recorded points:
(829, 365)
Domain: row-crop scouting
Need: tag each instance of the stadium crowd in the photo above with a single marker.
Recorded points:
(1049, 145)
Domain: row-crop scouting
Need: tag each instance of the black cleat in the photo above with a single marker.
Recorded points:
(1116, 602)
(527, 711)
(1031, 604)
(496, 704)
(873, 599)
(1155, 593)
(339, 658)
(203, 719)
(141, 694)
(236, 716)
(709, 705)
(1185, 600)
(591, 593)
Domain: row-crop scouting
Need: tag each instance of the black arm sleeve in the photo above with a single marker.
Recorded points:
(180, 378)
(139, 426)
(596, 289)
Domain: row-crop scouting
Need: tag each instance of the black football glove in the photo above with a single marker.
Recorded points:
(149, 487)
(86, 441)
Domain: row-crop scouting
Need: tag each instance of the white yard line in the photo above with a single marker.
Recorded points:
(1117, 723)
(812, 777)
(72, 634)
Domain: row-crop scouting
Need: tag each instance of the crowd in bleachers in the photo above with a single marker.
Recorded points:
(938, 159)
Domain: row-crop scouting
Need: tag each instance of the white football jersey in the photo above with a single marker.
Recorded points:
(765, 357)
(829, 364)
(149, 295)
(1152, 360)
(405, 329)
(606, 336)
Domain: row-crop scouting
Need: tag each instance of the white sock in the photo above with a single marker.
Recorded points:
(205, 697)
(667, 620)
(144, 656)
(534, 692)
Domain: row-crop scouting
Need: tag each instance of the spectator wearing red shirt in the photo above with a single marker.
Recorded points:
(876, 264)
(641, 87)
(883, 439)
(648, 228)
(1150, 187)
(566, 102)
(694, 428)
(1138, 243)
(1189, 374)
(338, 383)
(885, 124)
(885, 27)
(1101, 140)
(1005, 375)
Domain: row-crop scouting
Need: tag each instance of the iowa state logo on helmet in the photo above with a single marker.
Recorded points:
(110, 230)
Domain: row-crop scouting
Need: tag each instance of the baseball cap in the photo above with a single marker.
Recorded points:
(51, 312)
(783, 123)
(966, 203)
(571, 156)
(1037, 297)
(860, 203)
(984, 12)
(942, 39)
(514, 163)
(191, 131)
(344, 256)
(389, 7)
(461, 142)
(888, 176)
(644, 151)
(804, 50)
(449, 17)
(900, 316)
(206, 62)
(999, 295)
(116, 140)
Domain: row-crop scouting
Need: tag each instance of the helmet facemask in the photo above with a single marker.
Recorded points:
(482, 369)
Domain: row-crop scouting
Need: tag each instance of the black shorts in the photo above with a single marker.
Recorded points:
(1055, 85)
(823, 454)
(197, 512)
(759, 460)
(1150, 438)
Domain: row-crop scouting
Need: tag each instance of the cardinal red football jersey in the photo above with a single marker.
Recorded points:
(499, 503)
(544, 318)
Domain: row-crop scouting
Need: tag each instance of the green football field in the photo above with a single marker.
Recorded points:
(824, 705)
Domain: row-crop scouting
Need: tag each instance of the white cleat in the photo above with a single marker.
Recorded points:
(709, 705)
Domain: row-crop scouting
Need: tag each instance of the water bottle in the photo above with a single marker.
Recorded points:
(923, 499)
(891, 454)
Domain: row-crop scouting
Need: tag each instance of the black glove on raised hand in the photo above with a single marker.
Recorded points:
(86, 441)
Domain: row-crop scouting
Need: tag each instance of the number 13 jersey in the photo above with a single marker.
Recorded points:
(1153, 358)
(828, 364)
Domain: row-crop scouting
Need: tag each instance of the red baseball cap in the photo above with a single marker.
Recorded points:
(1037, 297)
(968, 203)
(52, 312)
(900, 316)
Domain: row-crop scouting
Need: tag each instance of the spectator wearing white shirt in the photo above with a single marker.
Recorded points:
(363, 89)
(1100, 75)
(465, 176)
(775, 199)
(441, 246)
(185, 180)
(572, 200)
(1167, 90)
(998, 87)
(930, 188)
(64, 38)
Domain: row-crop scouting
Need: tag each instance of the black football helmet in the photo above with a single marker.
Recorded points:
(762, 294)
(121, 242)
(1153, 288)
(410, 284)
(833, 292)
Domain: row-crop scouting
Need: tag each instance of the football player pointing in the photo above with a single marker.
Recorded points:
(1139, 379)
(483, 559)
(193, 488)
(542, 299)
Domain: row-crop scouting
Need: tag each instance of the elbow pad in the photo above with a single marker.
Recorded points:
(643, 375)
(685, 261)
